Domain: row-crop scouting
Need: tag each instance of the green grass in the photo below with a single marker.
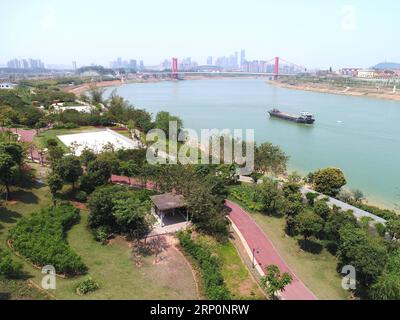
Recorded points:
(317, 271)
(236, 275)
(112, 265)
(41, 139)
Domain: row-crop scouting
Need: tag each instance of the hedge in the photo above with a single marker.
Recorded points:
(213, 280)
(41, 238)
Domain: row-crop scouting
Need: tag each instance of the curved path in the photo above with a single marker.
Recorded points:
(267, 254)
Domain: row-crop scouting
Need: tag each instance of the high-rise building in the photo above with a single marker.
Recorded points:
(242, 57)
(210, 61)
(133, 64)
(141, 65)
(73, 65)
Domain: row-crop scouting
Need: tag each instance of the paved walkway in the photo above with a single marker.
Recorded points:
(358, 213)
(267, 255)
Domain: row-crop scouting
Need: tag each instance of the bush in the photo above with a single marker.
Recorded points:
(87, 286)
(209, 265)
(8, 267)
(248, 196)
(41, 239)
(80, 196)
(66, 126)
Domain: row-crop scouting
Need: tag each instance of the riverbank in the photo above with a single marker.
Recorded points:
(385, 94)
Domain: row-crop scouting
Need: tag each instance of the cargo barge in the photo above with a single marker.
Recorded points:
(304, 117)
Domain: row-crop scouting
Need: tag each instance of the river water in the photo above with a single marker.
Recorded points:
(357, 134)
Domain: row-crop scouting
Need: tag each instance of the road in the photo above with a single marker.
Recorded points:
(267, 254)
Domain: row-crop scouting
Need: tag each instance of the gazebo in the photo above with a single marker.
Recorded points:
(170, 205)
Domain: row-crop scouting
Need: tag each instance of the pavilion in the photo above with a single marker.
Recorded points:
(170, 208)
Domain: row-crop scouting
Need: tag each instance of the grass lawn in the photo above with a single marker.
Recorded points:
(112, 265)
(317, 271)
(236, 275)
(40, 140)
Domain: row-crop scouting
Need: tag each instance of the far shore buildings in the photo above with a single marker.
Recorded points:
(6, 85)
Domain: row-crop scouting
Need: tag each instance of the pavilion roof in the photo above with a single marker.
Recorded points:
(168, 201)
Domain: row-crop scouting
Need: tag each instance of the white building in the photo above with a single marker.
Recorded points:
(6, 85)
(366, 73)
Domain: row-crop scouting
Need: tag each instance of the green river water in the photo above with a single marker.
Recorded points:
(357, 134)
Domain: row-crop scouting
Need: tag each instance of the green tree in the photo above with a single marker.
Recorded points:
(55, 183)
(367, 255)
(270, 159)
(393, 228)
(7, 171)
(69, 169)
(322, 209)
(87, 156)
(274, 281)
(270, 194)
(99, 172)
(134, 217)
(163, 120)
(309, 224)
(329, 181)
(387, 287)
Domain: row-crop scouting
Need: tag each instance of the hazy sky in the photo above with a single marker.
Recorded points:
(313, 33)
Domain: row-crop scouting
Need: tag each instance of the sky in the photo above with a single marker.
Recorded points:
(311, 33)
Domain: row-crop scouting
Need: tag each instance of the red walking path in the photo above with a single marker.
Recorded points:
(267, 254)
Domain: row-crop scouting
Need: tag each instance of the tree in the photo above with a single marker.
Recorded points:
(387, 287)
(269, 193)
(322, 209)
(55, 183)
(87, 156)
(134, 217)
(368, 255)
(270, 159)
(274, 281)
(329, 181)
(311, 197)
(129, 169)
(55, 153)
(358, 195)
(309, 224)
(163, 120)
(69, 169)
(393, 228)
(7, 170)
(99, 172)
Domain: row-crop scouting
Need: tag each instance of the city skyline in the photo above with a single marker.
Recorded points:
(321, 35)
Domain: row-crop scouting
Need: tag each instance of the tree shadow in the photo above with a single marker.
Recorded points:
(310, 246)
(9, 216)
(26, 197)
(5, 296)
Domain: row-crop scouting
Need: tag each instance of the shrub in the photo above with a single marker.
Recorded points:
(87, 286)
(209, 265)
(8, 267)
(41, 239)
(381, 229)
(81, 196)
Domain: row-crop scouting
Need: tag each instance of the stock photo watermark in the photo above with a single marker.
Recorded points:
(49, 281)
(237, 149)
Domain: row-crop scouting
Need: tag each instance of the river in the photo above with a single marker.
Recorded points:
(359, 135)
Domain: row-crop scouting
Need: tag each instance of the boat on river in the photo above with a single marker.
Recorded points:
(304, 117)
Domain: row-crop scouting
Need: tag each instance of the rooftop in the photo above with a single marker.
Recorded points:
(168, 201)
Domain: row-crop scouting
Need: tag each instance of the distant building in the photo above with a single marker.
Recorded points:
(353, 72)
(242, 57)
(210, 61)
(74, 65)
(366, 73)
(6, 85)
